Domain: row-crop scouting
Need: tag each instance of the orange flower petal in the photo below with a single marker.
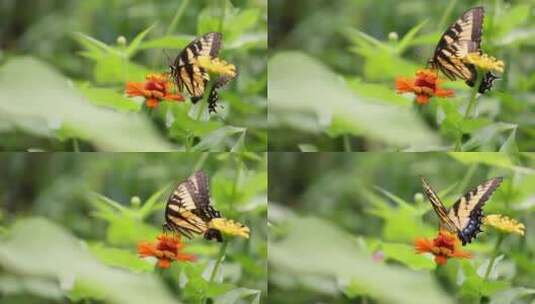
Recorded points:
(445, 246)
(422, 99)
(403, 85)
(440, 92)
(424, 245)
(135, 89)
(441, 260)
(167, 249)
(164, 263)
(152, 103)
(425, 85)
(174, 97)
(155, 88)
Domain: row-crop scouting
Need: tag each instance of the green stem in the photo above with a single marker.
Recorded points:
(219, 261)
(178, 15)
(222, 16)
(75, 145)
(458, 144)
(200, 162)
(236, 181)
(347, 144)
(473, 96)
(494, 256)
(467, 177)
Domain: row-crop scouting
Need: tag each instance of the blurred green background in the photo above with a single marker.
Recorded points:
(63, 73)
(70, 224)
(332, 68)
(343, 226)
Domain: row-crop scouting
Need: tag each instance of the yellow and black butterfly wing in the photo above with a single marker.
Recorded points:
(185, 70)
(440, 209)
(467, 212)
(461, 38)
(179, 214)
(188, 210)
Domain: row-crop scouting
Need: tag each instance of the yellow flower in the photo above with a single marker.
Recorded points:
(504, 223)
(485, 62)
(218, 66)
(230, 227)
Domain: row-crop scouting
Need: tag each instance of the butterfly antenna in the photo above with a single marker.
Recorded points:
(169, 61)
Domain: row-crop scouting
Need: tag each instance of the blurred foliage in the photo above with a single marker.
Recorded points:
(70, 224)
(343, 226)
(333, 65)
(64, 66)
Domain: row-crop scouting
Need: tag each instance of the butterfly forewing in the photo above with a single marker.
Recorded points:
(461, 38)
(188, 209)
(438, 206)
(187, 73)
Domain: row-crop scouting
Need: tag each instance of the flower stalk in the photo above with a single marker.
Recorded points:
(494, 255)
(219, 261)
(473, 96)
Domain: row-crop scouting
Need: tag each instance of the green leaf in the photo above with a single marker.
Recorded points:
(500, 160)
(334, 254)
(12, 285)
(511, 295)
(116, 257)
(406, 254)
(110, 69)
(239, 295)
(94, 47)
(109, 98)
(184, 126)
(167, 42)
(378, 92)
(409, 37)
(54, 103)
(515, 17)
(510, 146)
(298, 83)
(220, 139)
(133, 48)
(65, 261)
(473, 286)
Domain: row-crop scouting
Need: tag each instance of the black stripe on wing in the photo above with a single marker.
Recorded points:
(467, 212)
(185, 71)
(461, 38)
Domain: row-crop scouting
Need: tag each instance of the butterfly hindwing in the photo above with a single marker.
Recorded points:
(467, 212)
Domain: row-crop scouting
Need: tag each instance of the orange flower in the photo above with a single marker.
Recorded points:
(424, 86)
(167, 249)
(155, 88)
(446, 245)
